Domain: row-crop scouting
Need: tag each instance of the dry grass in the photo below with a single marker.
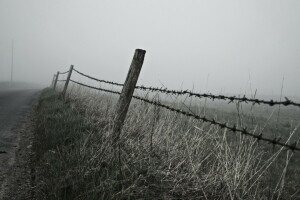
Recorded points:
(163, 155)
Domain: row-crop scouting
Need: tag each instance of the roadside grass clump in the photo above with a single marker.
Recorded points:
(162, 155)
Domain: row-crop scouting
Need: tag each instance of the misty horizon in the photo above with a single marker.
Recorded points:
(220, 47)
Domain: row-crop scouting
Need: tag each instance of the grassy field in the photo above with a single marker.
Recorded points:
(162, 155)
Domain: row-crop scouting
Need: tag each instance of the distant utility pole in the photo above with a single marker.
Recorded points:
(12, 62)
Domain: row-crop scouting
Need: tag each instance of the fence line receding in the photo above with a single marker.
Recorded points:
(234, 128)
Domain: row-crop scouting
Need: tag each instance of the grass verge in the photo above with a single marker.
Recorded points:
(162, 155)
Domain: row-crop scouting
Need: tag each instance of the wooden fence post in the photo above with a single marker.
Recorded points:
(126, 94)
(56, 78)
(52, 83)
(67, 82)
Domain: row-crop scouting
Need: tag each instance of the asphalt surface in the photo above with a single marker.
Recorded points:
(13, 106)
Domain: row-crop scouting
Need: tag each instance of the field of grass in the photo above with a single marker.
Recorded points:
(162, 155)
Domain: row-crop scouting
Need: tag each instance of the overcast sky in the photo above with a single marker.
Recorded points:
(216, 46)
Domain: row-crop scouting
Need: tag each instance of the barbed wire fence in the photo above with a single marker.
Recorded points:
(231, 99)
(234, 128)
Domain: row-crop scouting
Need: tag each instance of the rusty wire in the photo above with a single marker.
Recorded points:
(230, 99)
(233, 128)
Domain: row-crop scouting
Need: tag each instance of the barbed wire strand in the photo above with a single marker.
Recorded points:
(230, 99)
(64, 72)
(99, 80)
(275, 141)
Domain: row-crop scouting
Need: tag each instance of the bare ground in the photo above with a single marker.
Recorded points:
(19, 179)
(16, 155)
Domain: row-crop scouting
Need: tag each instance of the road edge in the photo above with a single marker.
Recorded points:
(19, 180)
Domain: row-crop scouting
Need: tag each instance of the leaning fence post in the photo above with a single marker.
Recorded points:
(52, 83)
(67, 82)
(126, 94)
(56, 78)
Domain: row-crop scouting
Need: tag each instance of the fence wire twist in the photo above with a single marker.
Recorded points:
(230, 99)
(258, 137)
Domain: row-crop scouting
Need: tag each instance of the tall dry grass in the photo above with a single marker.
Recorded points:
(162, 155)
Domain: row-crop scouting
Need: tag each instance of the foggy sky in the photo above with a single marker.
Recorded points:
(220, 46)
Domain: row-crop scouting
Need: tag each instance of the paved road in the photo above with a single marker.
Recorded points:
(13, 106)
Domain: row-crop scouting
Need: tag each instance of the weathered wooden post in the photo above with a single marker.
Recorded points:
(67, 82)
(126, 94)
(56, 78)
(52, 83)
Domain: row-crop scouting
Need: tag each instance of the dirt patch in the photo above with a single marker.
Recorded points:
(18, 180)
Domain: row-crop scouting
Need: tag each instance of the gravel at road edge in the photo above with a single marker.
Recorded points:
(19, 180)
